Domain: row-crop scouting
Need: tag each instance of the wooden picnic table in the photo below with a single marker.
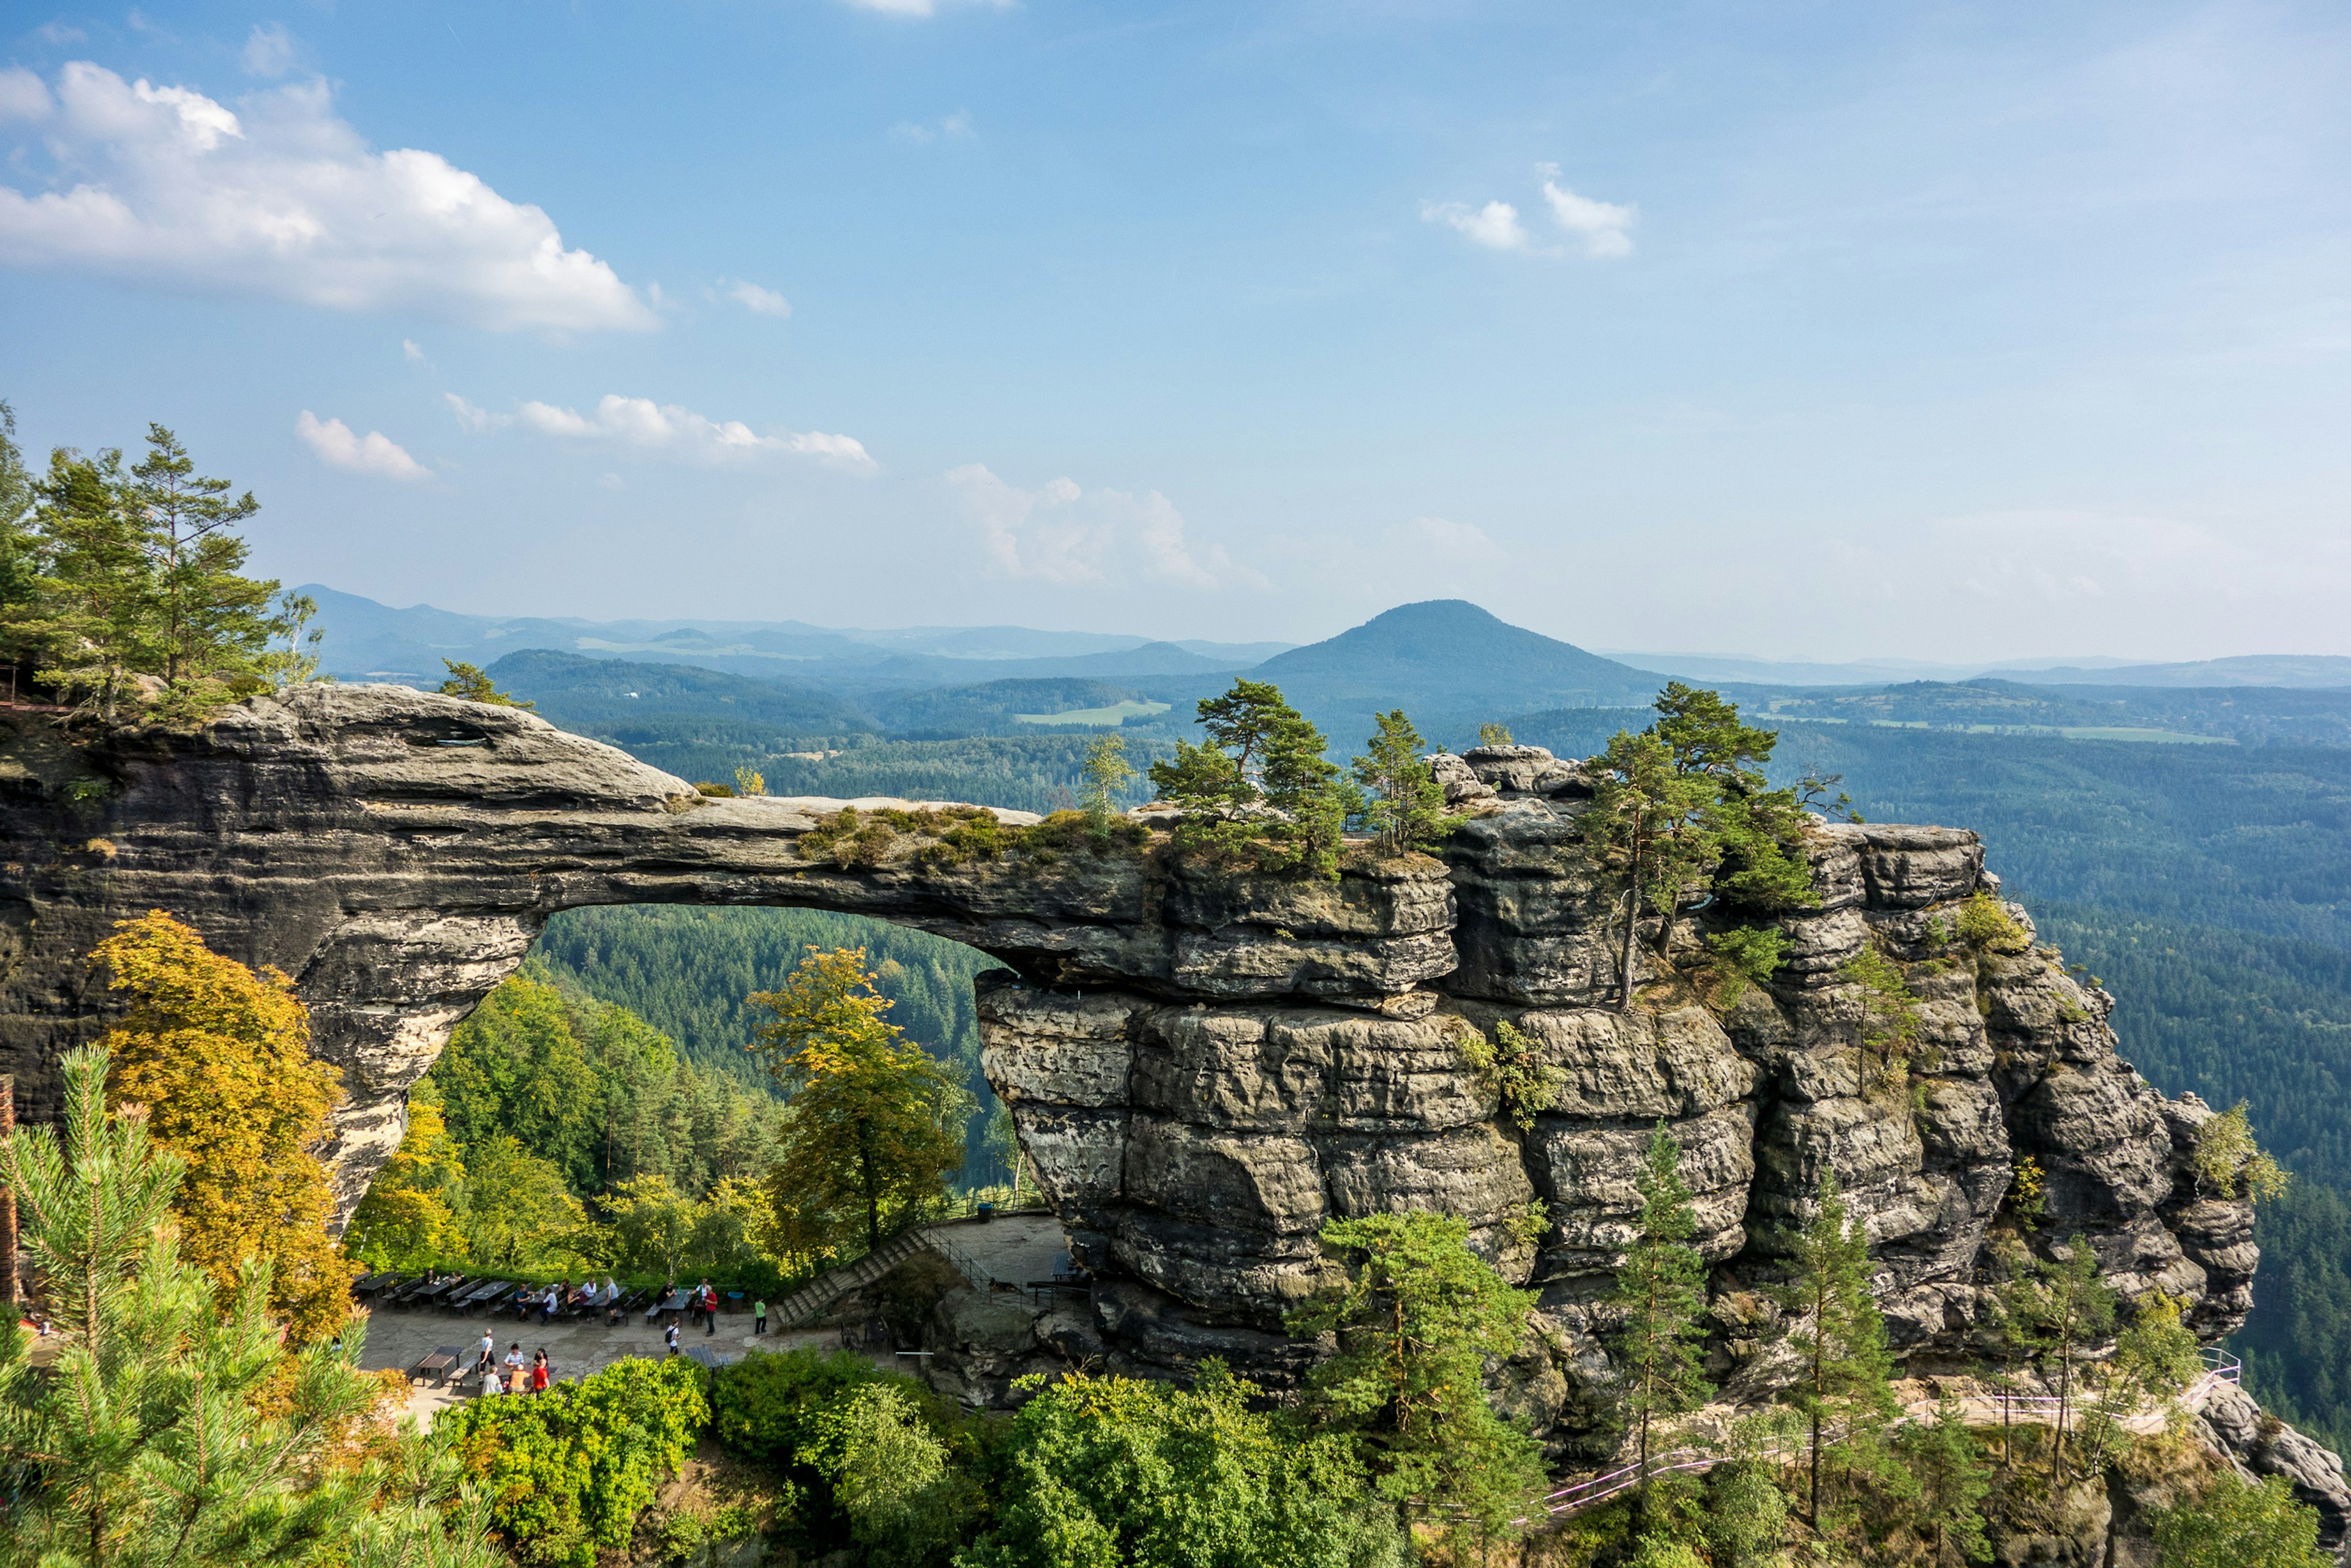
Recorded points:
(672, 1303)
(380, 1284)
(436, 1366)
(481, 1294)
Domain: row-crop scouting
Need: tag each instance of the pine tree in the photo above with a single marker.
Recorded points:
(468, 682)
(215, 622)
(92, 623)
(1416, 1322)
(1407, 805)
(1261, 753)
(1640, 832)
(1889, 1012)
(1947, 1465)
(2074, 1307)
(1659, 1347)
(170, 1430)
(1844, 1393)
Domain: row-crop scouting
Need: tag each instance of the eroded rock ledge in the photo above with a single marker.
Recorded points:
(1204, 1068)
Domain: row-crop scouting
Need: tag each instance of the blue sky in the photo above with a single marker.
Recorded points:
(1833, 329)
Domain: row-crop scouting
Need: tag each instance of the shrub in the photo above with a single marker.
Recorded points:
(1984, 923)
(1508, 1063)
(569, 1470)
(2238, 1526)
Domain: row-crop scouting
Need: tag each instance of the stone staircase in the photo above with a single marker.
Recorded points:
(813, 1300)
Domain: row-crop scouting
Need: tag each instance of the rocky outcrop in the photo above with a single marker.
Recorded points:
(1205, 1067)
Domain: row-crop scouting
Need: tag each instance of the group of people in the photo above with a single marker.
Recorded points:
(516, 1375)
(591, 1297)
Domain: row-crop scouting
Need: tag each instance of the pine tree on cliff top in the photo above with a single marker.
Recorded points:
(1661, 1290)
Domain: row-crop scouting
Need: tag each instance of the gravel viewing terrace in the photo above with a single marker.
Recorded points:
(1017, 1249)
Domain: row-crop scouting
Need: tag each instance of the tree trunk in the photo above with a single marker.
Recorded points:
(1631, 924)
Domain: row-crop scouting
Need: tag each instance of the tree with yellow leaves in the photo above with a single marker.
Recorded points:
(875, 1126)
(221, 1057)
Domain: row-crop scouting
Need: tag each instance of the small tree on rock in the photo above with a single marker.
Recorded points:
(1406, 805)
(1843, 1393)
(468, 682)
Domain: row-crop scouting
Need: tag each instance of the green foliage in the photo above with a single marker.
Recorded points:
(1527, 1087)
(1259, 786)
(571, 1469)
(1406, 804)
(1414, 1321)
(1844, 1392)
(1946, 1462)
(2227, 1155)
(1491, 734)
(1984, 923)
(1752, 952)
(1111, 1472)
(749, 783)
(892, 1475)
(1888, 1024)
(468, 682)
(1107, 775)
(2068, 1308)
(174, 1426)
(875, 1126)
(1659, 1343)
(2234, 1526)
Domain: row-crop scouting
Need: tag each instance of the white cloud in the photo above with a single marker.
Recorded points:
(412, 350)
(665, 428)
(1601, 226)
(923, 7)
(477, 419)
(338, 447)
(59, 33)
(1061, 534)
(612, 482)
(23, 95)
(269, 52)
(1494, 226)
(758, 300)
(281, 197)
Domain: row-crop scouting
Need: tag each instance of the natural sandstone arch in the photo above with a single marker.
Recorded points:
(1203, 1067)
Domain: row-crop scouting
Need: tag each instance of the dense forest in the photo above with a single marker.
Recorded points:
(688, 973)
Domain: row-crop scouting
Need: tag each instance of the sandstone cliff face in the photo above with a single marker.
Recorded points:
(1204, 1068)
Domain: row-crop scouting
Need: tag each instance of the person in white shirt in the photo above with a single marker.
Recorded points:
(489, 1352)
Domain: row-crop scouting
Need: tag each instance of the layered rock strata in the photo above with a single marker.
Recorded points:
(1203, 1067)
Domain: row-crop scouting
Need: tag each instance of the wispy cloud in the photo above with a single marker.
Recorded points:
(339, 447)
(412, 350)
(280, 197)
(269, 52)
(1494, 226)
(955, 127)
(1062, 534)
(668, 430)
(758, 300)
(1598, 227)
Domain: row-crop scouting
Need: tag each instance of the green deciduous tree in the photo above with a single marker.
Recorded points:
(2234, 1526)
(1844, 1391)
(1414, 1322)
(2227, 1157)
(1659, 1343)
(2072, 1308)
(1113, 1472)
(1107, 773)
(221, 1057)
(875, 1126)
(1406, 805)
